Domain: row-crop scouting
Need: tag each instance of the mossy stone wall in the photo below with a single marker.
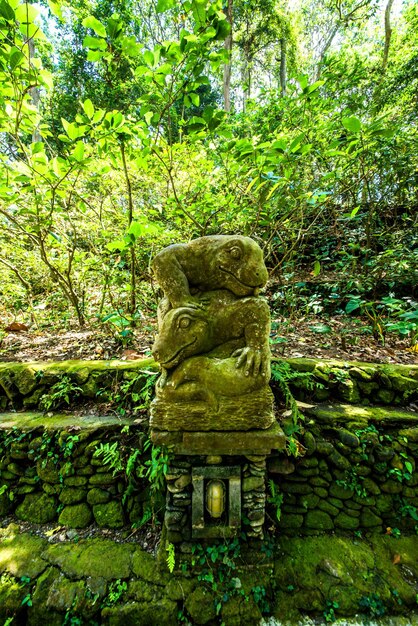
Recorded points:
(359, 472)
(22, 385)
(49, 471)
(354, 382)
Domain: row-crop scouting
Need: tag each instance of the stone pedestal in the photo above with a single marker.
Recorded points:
(233, 462)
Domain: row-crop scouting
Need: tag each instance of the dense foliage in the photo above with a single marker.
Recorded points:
(126, 126)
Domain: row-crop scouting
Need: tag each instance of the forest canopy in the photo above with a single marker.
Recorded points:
(126, 126)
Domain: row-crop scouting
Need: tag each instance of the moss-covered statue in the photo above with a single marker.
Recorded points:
(213, 341)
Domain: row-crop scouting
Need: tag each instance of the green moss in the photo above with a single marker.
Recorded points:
(5, 503)
(368, 519)
(72, 495)
(201, 606)
(97, 496)
(361, 414)
(145, 566)
(109, 515)
(76, 515)
(65, 594)
(346, 522)
(58, 422)
(20, 555)
(38, 508)
(162, 612)
(318, 520)
(41, 614)
(96, 558)
(11, 596)
(48, 472)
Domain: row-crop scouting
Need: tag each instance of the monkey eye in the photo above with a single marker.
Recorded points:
(184, 322)
(235, 253)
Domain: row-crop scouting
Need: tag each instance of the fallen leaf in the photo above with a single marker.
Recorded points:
(49, 533)
(396, 559)
(131, 355)
(16, 327)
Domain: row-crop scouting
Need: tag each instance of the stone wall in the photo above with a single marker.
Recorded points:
(22, 385)
(356, 383)
(358, 472)
(50, 471)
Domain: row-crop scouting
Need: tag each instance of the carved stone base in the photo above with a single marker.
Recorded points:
(238, 460)
(253, 442)
(250, 411)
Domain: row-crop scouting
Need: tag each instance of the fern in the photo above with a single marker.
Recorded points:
(275, 498)
(281, 373)
(111, 456)
(171, 557)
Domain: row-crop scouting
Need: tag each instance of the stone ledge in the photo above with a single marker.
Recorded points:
(343, 413)
(251, 442)
(27, 421)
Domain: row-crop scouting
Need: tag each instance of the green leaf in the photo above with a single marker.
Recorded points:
(55, 9)
(199, 12)
(98, 116)
(320, 329)
(149, 57)
(136, 229)
(88, 108)
(94, 24)
(78, 152)
(352, 305)
(94, 43)
(316, 268)
(314, 86)
(118, 244)
(6, 11)
(26, 13)
(16, 58)
(194, 97)
(408, 466)
(352, 124)
(355, 211)
(165, 5)
(72, 131)
(148, 116)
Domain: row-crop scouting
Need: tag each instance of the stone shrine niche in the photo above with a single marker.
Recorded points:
(213, 401)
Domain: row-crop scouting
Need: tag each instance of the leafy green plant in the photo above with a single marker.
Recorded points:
(372, 605)
(353, 481)
(259, 594)
(171, 557)
(157, 466)
(329, 612)
(63, 391)
(135, 393)
(275, 498)
(116, 590)
(111, 456)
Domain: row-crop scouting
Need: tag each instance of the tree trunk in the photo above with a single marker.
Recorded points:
(228, 66)
(283, 67)
(132, 307)
(246, 80)
(34, 93)
(388, 35)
